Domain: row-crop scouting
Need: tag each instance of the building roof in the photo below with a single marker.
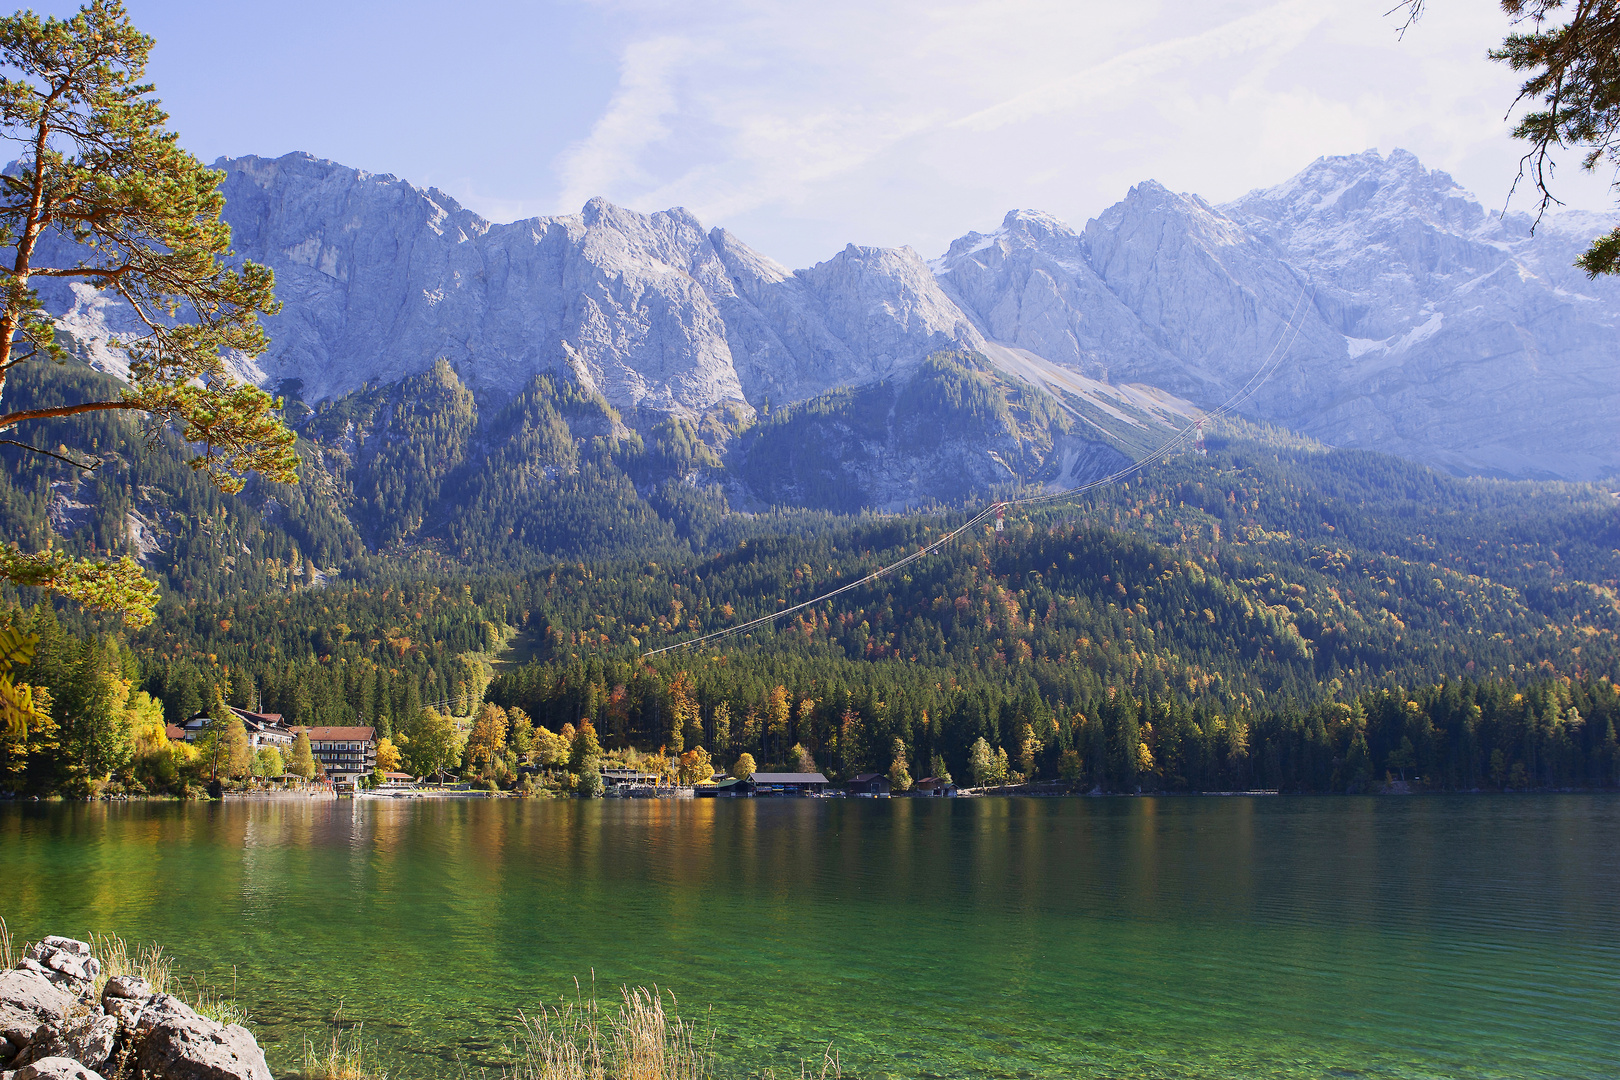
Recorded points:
(270, 722)
(340, 734)
(788, 778)
(175, 732)
(398, 776)
(868, 777)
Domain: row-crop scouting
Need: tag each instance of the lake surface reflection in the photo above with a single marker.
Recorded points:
(1267, 937)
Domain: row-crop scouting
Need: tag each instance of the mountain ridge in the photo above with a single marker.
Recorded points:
(1418, 322)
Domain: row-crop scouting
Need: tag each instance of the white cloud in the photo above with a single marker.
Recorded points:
(1279, 25)
(636, 119)
(803, 126)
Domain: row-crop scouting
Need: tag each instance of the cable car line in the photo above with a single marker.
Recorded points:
(1268, 367)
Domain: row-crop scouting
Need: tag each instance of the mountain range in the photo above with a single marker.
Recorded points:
(1385, 307)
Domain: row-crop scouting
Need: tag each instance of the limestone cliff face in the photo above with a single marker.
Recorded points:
(1030, 284)
(379, 279)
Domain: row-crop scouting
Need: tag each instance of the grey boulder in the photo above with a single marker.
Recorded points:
(126, 1012)
(132, 987)
(46, 1043)
(174, 1043)
(28, 1000)
(90, 1038)
(66, 962)
(55, 1068)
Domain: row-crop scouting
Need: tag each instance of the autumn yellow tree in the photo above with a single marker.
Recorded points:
(521, 736)
(267, 763)
(236, 752)
(486, 744)
(777, 710)
(684, 718)
(37, 740)
(302, 760)
(388, 756)
(899, 770)
(721, 721)
(1029, 748)
(696, 766)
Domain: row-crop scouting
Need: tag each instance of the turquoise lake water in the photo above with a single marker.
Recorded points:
(1217, 937)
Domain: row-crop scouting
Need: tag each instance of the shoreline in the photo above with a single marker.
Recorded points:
(8, 798)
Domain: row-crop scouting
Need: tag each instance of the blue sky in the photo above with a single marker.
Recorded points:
(802, 126)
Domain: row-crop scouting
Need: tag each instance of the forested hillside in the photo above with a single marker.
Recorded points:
(1284, 617)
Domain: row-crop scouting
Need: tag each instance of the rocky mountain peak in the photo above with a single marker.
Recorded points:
(1152, 206)
(1360, 191)
(1036, 227)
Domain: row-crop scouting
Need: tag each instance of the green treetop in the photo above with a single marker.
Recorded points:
(586, 750)
(100, 169)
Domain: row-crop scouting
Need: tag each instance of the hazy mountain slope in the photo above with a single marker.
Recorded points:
(1472, 343)
(1421, 324)
(955, 429)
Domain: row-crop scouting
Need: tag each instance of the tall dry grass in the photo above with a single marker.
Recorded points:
(213, 1003)
(7, 960)
(642, 1040)
(117, 959)
(345, 1057)
(830, 1069)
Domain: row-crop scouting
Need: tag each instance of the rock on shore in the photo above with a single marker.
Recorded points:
(53, 1026)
